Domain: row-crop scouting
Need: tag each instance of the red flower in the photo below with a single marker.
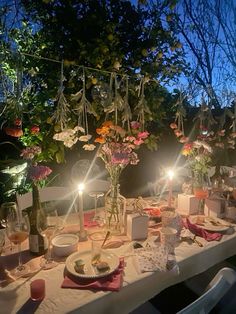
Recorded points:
(34, 129)
(17, 122)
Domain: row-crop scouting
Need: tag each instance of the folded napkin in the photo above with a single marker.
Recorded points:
(88, 220)
(112, 282)
(208, 236)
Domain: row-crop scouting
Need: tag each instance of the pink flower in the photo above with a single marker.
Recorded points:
(120, 158)
(37, 173)
(138, 141)
(30, 152)
(135, 125)
(143, 135)
(34, 129)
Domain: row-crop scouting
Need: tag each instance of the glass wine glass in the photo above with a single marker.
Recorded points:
(96, 195)
(17, 230)
(48, 225)
(2, 242)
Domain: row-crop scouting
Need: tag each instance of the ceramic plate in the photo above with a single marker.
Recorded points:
(209, 225)
(89, 270)
(220, 225)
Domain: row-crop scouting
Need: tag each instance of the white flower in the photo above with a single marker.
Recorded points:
(198, 144)
(85, 138)
(69, 136)
(89, 147)
(70, 142)
(79, 128)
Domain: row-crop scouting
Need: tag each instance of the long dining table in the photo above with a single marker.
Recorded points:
(137, 287)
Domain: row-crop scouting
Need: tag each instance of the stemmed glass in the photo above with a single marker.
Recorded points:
(17, 230)
(96, 195)
(48, 225)
(2, 242)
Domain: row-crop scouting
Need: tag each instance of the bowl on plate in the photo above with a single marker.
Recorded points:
(65, 244)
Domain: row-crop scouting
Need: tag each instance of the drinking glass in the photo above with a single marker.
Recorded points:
(2, 242)
(48, 225)
(96, 195)
(17, 230)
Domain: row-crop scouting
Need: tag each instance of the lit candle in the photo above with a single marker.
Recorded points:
(82, 231)
(170, 182)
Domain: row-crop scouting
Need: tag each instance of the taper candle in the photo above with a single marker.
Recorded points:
(82, 231)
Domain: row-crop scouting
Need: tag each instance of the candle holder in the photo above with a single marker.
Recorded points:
(82, 232)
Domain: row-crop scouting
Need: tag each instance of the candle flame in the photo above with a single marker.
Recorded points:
(80, 187)
(170, 174)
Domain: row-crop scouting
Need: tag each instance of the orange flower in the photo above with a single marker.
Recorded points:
(100, 140)
(14, 131)
(107, 123)
(103, 131)
(187, 149)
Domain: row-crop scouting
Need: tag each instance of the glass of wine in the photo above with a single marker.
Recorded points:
(96, 195)
(17, 230)
(48, 225)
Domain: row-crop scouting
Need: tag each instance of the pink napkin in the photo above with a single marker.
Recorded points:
(112, 282)
(209, 236)
(88, 220)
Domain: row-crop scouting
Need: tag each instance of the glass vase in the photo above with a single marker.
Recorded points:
(200, 186)
(114, 209)
(201, 191)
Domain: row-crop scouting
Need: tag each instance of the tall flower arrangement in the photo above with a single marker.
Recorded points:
(119, 147)
(33, 154)
(117, 150)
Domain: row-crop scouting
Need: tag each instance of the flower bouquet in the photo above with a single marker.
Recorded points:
(199, 159)
(117, 150)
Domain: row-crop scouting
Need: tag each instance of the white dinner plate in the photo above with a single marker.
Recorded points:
(209, 226)
(89, 270)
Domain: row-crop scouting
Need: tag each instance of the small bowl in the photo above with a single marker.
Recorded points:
(65, 244)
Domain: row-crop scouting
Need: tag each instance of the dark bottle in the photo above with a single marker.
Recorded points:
(37, 243)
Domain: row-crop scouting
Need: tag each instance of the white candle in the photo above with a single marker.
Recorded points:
(82, 231)
(170, 183)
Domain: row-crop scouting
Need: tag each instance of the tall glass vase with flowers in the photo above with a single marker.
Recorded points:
(117, 150)
(199, 154)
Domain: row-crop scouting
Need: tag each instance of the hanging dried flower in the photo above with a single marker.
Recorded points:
(14, 131)
(221, 133)
(220, 145)
(34, 129)
(178, 133)
(89, 147)
(17, 122)
(173, 126)
(183, 139)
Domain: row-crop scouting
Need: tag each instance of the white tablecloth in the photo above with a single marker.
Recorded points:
(137, 288)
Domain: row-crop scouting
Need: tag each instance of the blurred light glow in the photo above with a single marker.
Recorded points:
(81, 187)
(170, 174)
